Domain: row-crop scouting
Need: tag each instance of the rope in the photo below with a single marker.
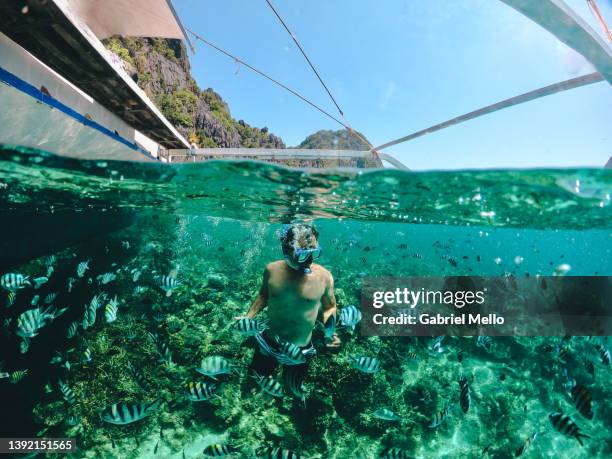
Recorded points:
(259, 72)
(600, 18)
(293, 37)
(535, 94)
(239, 61)
(346, 124)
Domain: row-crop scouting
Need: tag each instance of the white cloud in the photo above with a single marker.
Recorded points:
(573, 63)
(388, 94)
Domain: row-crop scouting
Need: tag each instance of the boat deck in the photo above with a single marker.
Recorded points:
(72, 50)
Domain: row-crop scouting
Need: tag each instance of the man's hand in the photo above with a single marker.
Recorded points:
(333, 343)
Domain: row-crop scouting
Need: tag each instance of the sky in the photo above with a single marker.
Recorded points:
(404, 66)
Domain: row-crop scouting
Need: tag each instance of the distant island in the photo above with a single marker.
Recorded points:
(334, 140)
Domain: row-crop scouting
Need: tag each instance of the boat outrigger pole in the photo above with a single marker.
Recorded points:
(516, 100)
(559, 19)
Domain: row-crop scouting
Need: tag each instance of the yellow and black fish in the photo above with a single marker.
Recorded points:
(583, 400)
(464, 398)
(200, 391)
(220, 450)
(564, 424)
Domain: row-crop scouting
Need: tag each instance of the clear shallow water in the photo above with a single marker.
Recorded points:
(215, 225)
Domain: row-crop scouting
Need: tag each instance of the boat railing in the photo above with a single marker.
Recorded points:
(293, 157)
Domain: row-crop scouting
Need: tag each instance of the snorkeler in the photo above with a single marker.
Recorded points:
(294, 290)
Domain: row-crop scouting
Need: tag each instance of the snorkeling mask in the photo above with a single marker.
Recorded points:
(302, 255)
(300, 259)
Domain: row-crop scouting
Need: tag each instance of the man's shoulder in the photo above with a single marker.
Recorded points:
(275, 265)
(321, 270)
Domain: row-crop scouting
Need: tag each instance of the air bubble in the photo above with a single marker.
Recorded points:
(562, 270)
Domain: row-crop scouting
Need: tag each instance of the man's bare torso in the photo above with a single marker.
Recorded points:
(294, 300)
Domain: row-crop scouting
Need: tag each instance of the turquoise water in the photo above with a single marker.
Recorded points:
(214, 226)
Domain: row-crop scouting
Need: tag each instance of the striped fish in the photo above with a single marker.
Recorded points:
(366, 364)
(249, 327)
(159, 317)
(82, 267)
(73, 420)
(200, 391)
(437, 344)
(31, 321)
(329, 327)
(122, 413)
(464, 397)
(57, 358)
(583, 400)
(14, 281)
(10, 298)
(67, 392)
(17, 376)
(168, 284)
(276, 453)
(604, 354)
(486, 342)
(137, 375)
(395, 453)
(526, 444)
(89, 317)
(386, 415)
(289, 353)
(40, 281)
(70, 284)
(350, 316)
(294, 380)
(220, 450)
(136, 273)
(215, 365)
(564, 424)
(439, 417)
(164, 352)
(110, 311)
(24, 345)
(106, 278)
(50, 297)
(269, 385)
(72, 330)
(265, 347)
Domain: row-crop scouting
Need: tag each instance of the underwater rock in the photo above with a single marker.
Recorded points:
(217, 281)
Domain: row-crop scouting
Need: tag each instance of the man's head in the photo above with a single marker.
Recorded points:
(300, 245)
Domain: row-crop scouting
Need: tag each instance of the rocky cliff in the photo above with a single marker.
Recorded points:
(161, 68)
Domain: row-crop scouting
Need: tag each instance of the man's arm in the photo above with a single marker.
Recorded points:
(328, 301)
(261, 300)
